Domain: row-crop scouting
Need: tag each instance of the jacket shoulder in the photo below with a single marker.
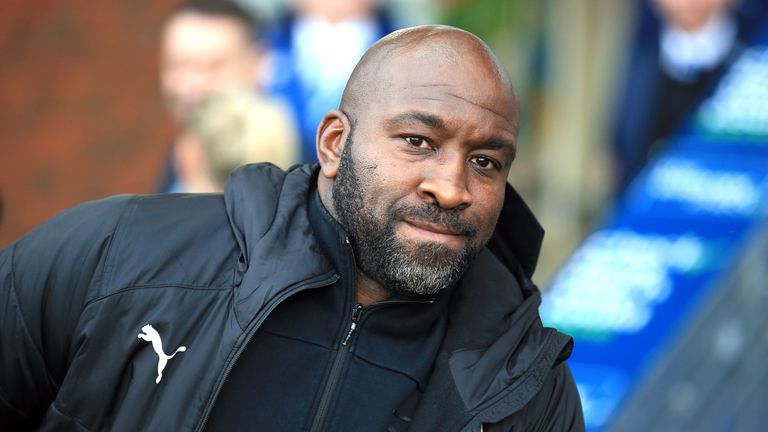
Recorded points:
(171, 239)
(63, 244)
(556, 407)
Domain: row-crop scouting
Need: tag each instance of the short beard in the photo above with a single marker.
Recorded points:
(410, 269)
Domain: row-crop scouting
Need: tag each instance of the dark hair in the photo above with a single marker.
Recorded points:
(223, 8)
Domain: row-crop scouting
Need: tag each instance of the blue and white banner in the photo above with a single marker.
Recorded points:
(636, 281)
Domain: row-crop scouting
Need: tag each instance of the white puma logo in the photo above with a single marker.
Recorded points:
(151, 335)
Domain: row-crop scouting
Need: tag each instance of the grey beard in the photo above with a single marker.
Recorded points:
(425, 269)
(433, 270)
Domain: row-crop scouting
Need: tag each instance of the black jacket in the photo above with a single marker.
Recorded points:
(205, 271)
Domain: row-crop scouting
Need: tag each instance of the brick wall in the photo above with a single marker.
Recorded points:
(80, 113)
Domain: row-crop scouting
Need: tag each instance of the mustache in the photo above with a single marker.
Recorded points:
(449, 219)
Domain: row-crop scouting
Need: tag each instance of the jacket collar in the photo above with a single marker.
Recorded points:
(496, 353)
(331, 235)
(267, 209)
(520, 232)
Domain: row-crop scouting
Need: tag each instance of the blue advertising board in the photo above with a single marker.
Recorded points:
(679, 229)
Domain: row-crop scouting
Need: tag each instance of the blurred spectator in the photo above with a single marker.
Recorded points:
(303, 68)
(207, 46)
(681, 48)
(235, 128)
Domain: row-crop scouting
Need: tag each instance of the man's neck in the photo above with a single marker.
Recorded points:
(369, 291)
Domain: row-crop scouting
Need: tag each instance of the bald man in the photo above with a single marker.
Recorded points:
(386, 289)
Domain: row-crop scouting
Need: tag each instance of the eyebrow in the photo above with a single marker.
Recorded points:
(430, 120)
(500, 144)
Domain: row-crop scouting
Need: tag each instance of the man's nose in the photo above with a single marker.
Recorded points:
(446, 185)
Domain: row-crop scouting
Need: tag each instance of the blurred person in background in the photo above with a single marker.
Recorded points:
(681, 48)
(234, 128)
(313, 49)
(207, 46)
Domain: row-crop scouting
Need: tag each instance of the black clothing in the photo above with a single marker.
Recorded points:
(306, 355)
(206, 271)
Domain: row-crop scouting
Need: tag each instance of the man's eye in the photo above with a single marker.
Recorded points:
(417, 141)
(485, 162)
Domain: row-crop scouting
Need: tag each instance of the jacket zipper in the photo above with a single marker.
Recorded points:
(336, 368)
(249, 334)
(341, 357)
(344, 348)
(357, 310)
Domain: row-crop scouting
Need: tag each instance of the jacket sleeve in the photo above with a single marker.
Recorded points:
(557, 407)
(44, 281)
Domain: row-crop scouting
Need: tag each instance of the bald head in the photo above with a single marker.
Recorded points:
(394, 58)
(414, 165)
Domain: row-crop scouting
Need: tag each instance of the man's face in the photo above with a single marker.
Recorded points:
(422, 177)
(201, 55)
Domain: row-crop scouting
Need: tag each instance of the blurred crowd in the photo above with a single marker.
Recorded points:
(242, 90)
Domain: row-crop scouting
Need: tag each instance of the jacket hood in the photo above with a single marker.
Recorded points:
(518, 234)
(266, 207)
(496, 353)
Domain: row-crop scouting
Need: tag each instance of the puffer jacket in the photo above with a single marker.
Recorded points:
(204, 271)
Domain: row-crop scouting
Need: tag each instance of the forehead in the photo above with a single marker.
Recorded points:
(455, 85)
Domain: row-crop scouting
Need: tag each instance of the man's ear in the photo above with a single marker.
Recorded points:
(331, 135)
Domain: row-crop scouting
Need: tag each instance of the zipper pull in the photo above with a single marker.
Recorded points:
(357, 310)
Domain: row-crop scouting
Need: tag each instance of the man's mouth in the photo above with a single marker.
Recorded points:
(432, 232)
(433, 227)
